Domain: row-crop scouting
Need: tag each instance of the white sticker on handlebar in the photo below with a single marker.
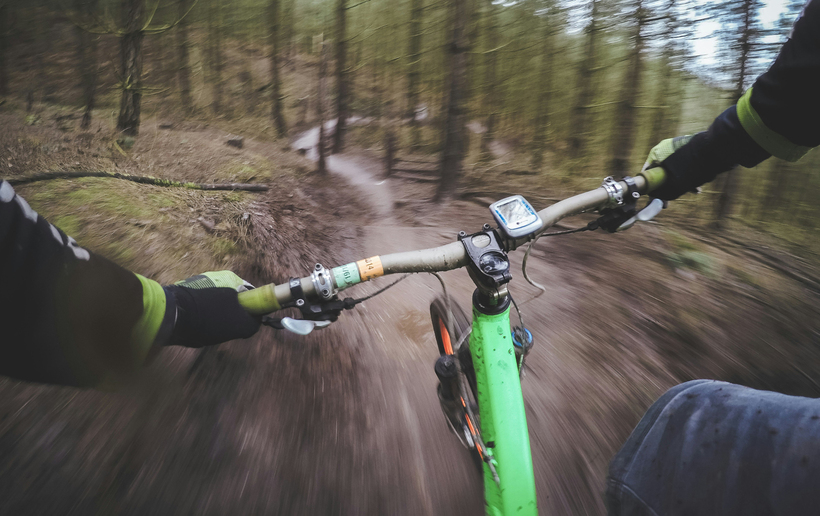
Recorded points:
(370, 268)
(346, 275)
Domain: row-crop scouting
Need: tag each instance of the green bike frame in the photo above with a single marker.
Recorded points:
(503, 420)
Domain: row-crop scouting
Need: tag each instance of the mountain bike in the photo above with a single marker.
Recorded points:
(480, 363)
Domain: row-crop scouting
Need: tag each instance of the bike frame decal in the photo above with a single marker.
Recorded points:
(503, 420)
(370, 268)
(346, 275)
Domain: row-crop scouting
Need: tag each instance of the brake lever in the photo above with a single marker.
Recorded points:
(649, 212)
(297, 326)
(302, 326)
(316, 316)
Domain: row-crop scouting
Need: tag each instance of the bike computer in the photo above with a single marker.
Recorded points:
(515, 216)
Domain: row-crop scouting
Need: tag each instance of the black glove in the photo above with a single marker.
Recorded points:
(208, 310)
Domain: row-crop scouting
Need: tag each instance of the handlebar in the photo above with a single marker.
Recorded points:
(269, 298)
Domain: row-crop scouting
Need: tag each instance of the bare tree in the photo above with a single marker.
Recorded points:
(87, 63)
(216, 59)
(746, 12)
(321, 145)
(452, 155)
(545, 84)
(623, 134)
(586, 84)
(4, 45)
(341, 75)
(131, 38)
(289, 23)
(276, 87)
(183, 59)
(666, 102)
(492, 99)
(135, 22)
(414, 71)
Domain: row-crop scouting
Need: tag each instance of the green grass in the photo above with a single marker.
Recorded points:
(70, 224)
(148, 229)
(686, 253)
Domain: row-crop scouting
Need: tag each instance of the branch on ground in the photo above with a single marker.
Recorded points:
(148, 180)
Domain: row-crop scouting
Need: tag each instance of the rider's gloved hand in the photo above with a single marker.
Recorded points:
(208, 310)
(676, 183)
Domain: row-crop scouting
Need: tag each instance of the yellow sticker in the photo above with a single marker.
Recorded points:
(370, 268)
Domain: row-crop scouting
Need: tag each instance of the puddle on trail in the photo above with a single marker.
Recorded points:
(415, 325)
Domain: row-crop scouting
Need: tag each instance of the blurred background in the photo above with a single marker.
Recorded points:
(376, 126)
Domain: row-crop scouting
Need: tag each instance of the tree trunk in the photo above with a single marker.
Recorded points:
(390, 152)
(624, 131)
(544, 94)
(131, 61)
(414, 71)
(376, 89)
(452, 155)
(87, 63)
(4, 45)
(585, 86)
(341, 75)
(276, 87)
(661, 118)
(670, 85)
(41, 82)
(183, 62)
(727, 194)
(217, 61)
(289, 22)
(776, 187)
(491, 97)
(246, 77)
(321, 145)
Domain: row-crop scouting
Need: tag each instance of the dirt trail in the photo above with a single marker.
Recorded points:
(417, 466)
(346, 420)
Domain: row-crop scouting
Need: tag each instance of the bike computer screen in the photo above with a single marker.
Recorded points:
(515, 216)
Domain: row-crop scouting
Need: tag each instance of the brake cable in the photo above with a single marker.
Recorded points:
(315, 311)
(588, 227)
(376, 293)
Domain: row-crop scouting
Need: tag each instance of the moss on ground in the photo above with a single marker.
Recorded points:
(165, 233)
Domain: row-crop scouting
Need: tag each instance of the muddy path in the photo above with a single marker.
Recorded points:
(379, 444)
(346, 420)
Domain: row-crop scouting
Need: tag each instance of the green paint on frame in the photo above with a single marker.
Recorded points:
(503, 420)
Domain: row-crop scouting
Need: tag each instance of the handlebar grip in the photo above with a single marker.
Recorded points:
(655, 177)
(259, 301)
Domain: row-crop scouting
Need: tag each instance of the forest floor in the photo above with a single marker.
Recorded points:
(346, 420)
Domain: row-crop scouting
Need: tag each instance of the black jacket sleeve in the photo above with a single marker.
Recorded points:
(779, 115)
(66, 314)
(787, 96)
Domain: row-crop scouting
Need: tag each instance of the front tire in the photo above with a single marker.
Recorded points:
(448, 333)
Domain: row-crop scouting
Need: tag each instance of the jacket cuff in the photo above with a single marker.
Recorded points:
(157, 320)
(774, 143)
